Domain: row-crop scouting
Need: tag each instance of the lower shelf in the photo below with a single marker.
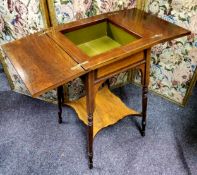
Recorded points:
(109, 109)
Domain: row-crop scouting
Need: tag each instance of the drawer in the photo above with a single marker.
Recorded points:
(120, 65)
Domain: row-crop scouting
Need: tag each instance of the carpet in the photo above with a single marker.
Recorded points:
(32, 141)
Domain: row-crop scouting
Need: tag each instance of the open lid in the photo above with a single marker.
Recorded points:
(41, 63)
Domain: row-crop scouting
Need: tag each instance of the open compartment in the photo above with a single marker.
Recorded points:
(99, 37)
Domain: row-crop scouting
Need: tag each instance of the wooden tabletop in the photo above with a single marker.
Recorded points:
(41, 63)
(45, 61)
(150, 29)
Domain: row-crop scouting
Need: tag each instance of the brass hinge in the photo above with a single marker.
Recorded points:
(79, 65)
(157, 36)
(43, 32)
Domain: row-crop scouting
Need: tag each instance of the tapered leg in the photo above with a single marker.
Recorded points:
(144, 108)
(145, 71)
(60, 97)
(90, 140)
(90, 102)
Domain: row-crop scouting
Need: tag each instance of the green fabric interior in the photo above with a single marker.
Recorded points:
(98, 38)
(98, 46)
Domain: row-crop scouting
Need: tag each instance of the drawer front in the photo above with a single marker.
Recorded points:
(120, 65)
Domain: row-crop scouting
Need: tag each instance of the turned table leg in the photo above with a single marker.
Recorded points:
(90, 140)
(145, 81)
(90, 103)
(60, 97)
(144, 108)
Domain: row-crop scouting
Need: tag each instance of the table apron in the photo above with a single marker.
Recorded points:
(122, 65)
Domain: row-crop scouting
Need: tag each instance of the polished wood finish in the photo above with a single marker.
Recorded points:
(93, 82)
(49, 59)
(30, 55)
(41, 63)
(90, 106)
(150, 29)
(119, 65)
(145, 83)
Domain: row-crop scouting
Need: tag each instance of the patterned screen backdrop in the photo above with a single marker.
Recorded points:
(69, 10)
(19, 18)
(173, 63)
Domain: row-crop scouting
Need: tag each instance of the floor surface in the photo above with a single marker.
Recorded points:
(33, 143)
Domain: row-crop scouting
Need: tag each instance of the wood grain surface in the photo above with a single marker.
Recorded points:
(47, 60)
(150, 29)
(109, 109)
(41, 63)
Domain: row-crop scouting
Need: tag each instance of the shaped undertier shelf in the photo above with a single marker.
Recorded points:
(109, 110)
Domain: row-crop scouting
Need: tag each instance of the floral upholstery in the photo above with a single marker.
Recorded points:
(70, 10)
(19, 18)
(174, 63)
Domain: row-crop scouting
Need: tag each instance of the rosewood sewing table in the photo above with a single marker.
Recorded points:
(95, 49)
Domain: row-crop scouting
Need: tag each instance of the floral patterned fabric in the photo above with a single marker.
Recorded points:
(19, 18)
(174, 63)
(70, 10)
